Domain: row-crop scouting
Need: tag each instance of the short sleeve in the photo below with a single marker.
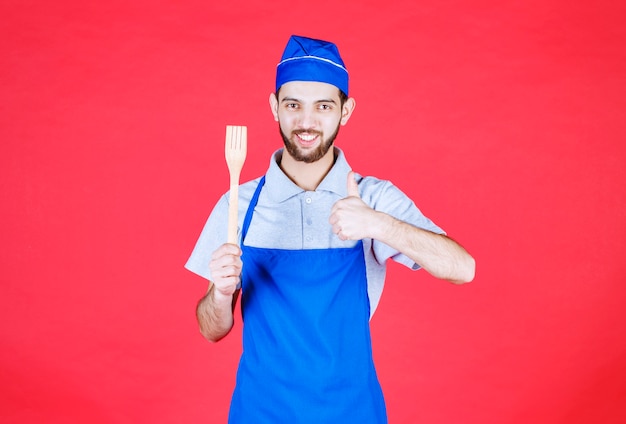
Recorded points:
(213, 235)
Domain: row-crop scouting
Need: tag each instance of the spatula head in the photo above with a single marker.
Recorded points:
(236, 146)
(236, 149)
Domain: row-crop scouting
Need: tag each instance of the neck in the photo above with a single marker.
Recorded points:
(307, 176)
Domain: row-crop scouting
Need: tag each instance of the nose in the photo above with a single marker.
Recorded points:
(307, 118)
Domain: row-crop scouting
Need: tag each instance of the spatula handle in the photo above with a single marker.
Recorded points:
(233, 207)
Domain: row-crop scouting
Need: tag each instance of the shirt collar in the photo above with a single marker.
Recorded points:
(280, 188)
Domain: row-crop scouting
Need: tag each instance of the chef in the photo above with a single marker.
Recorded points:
(315, 238)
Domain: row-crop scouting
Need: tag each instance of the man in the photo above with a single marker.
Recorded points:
(315, 238)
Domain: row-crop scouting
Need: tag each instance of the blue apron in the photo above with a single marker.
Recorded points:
(307, 355)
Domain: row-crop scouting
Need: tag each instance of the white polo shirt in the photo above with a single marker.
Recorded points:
(288, 217)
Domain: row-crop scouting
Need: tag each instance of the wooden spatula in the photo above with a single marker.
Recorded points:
(236, 149)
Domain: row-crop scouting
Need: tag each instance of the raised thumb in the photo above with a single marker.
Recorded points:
(353, 187)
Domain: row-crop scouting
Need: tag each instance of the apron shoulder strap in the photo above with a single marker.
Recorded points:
(253, 202)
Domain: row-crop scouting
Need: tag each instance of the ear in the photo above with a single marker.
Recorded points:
(347, 109)
(274, 106)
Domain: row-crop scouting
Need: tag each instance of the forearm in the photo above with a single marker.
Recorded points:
(215, 314)
(353, 219)
(438, 254)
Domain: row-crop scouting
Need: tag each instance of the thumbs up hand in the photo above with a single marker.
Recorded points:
(353, 187)
(351, 218)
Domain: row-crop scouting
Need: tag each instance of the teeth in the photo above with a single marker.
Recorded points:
(307, 137)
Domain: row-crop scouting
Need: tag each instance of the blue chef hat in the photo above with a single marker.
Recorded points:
(307, 59)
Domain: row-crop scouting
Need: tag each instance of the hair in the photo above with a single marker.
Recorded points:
(342, 97)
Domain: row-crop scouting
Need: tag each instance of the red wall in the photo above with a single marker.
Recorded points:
(503, 120)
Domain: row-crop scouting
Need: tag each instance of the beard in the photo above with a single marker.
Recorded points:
(308, 156)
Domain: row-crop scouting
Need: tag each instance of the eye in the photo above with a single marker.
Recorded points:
(291, 106)
(325, 106)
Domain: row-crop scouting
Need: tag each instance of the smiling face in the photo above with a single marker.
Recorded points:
(309, 115)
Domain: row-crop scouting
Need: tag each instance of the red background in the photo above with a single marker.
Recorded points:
(503, 120)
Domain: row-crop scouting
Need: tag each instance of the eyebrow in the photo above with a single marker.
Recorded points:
(293, 99)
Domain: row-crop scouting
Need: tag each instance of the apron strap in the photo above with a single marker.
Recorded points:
(253, 202)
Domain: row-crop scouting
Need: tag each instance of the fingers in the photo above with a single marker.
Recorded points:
(349, 216)
(345, 217)
(225, 266)
(225, 249)
(353, 191)
(353, 187)
(338, 231)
